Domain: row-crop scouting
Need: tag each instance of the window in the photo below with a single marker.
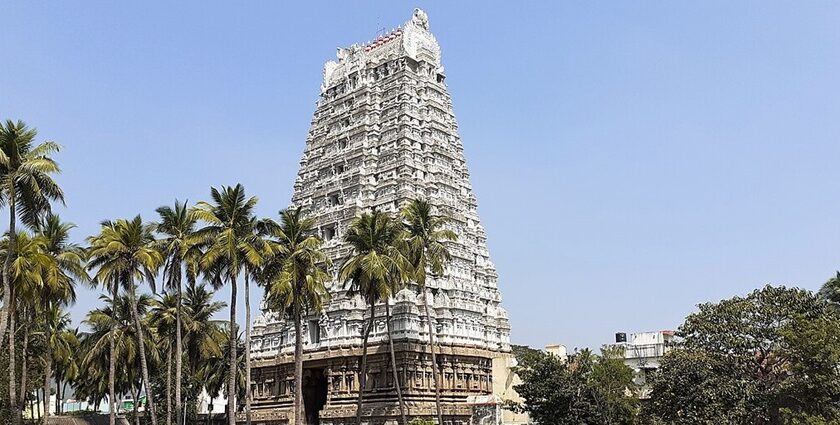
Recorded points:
(334, 199)
(314, 332)
(338, 169)
(329, 232)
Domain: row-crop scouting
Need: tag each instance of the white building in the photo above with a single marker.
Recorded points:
(643, 352)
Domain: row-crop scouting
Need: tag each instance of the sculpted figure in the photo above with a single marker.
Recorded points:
(420, 19)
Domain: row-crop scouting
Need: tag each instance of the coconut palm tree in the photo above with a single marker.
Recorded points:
(426, 243)
(26, 184)
(163, 318)
(182, 250)
(66, 363)
(59, 281)
(213, 379)
(374, 270)
(255, 249)
(113, 336)
(26, 274)
(211, 371)
(202, 334)
(123, 252)
(56, 322)
(228, 232)
(294, 276)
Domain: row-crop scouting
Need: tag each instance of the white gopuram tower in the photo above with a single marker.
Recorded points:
(384, 133)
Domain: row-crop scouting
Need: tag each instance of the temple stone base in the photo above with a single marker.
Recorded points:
(331, 386)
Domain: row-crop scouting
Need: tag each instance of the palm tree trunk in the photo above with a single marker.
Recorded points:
(363, 372)
(47, 376)
(178, 359)
(434, 357)
(150, 403)
(135, 393)
(112, 360)
(5, 315)
(209, 410)
(247, 350)
(298, 369)
(36, 411)
(58, 391)
(13, 403)
(394, 360)
(169, 387)
(23, 368)
(231, 402)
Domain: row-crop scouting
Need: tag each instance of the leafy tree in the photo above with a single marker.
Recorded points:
(374, 270)
(124, 252)
(830, 291)
(426, 241)
(585, 389)
(26, 184)
(748, 360)
(229, 234)
(692, 387)
(294, 276)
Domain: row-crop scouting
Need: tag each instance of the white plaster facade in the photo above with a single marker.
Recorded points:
(383, 133)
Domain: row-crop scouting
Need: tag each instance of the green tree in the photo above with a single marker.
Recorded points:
(203, 337)
(26, 274)
(692, 387)
(26, 184)
(124, 252)
(229, 232)
(113, 343)
(181, 249)
(775, 350)
(57, 290)
(66, 363)
(164, 318)
(830, 291)
(294, 276)
(426, 241)
(374, 270)
(585, 389)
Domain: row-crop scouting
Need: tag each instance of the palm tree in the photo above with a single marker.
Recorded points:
(294, 277)
(114, 343)
(67, 363)
(26, 274)
(229, 232)
(374, 270)
(209, 373)
(163, 318)
(255, 249)
(56, 321)
(181, 250)
(27, 185)
(426, 243)
(58, 285)
(123, 252)
(202, 335)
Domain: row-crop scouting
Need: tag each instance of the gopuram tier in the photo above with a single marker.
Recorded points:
(384, 133)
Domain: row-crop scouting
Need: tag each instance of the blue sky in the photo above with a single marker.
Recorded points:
(631, 159)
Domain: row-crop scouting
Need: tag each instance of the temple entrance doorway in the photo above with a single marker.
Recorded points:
(314, 394)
